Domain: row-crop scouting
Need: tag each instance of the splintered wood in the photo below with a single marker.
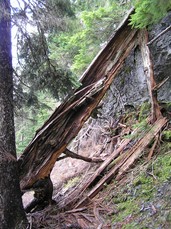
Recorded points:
(52, 138)
(122, 163)
(148, 69)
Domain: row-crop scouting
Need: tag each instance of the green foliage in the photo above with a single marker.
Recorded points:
(166, 135)
(30, 118)
(35, 22)
(51, 55)
(92, 27)
(41, 73)
(80, 5)
(148, 12)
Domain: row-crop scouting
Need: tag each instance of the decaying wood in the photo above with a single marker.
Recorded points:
(51, 140)
(71, 154)
(106, 163)
(124, 161)
(136, 151)
(153, 147)
(148, 69)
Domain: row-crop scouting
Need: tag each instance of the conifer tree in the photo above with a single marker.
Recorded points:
(12, 214)
(148, 12)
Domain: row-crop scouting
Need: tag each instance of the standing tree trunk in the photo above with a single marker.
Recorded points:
(12, 214)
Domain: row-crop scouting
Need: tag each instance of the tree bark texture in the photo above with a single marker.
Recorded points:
(148, 69)
(52, 138)
(11, 210)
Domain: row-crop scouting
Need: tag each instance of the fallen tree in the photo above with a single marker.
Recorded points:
(51, 140)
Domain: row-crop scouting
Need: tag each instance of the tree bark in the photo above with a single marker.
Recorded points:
(12, 214)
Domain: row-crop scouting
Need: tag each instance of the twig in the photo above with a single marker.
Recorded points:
(153, 147)
(159, 35)
(156, 87)
(76, 210)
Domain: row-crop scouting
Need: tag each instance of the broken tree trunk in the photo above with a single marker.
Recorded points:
(52, 138)
(148, 69)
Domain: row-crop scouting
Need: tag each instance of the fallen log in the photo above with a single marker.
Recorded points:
(136, 151)
(124, 161)
(105, 164)
(51, 140)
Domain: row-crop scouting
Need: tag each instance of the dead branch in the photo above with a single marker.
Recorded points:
(159, 35)
(71, 154)
(153, 147)
(158, 86)
(148, 68)
(103, 166)
(134, 153)
(124, 161)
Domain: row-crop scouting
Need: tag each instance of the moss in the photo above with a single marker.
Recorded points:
(125, 209)
(134, 199)
(167, 106)
(162, 167)
(142, 179)
(168, 217)
(141, 127)
(119, 199)
(142, 189)
(144, 111)
(165, 147)
(127, 69)
(144, 186)
(70, 183)
(166, 135)
(131, 226)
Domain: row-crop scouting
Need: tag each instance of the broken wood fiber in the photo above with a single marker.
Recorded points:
(51, 140)
(123, 162)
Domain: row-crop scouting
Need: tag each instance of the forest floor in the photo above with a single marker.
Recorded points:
(140, 199)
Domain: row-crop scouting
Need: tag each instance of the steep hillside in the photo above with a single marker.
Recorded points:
(138, 197)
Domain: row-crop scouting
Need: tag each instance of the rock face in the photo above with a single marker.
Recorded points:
(161, 56)
(129, 88)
